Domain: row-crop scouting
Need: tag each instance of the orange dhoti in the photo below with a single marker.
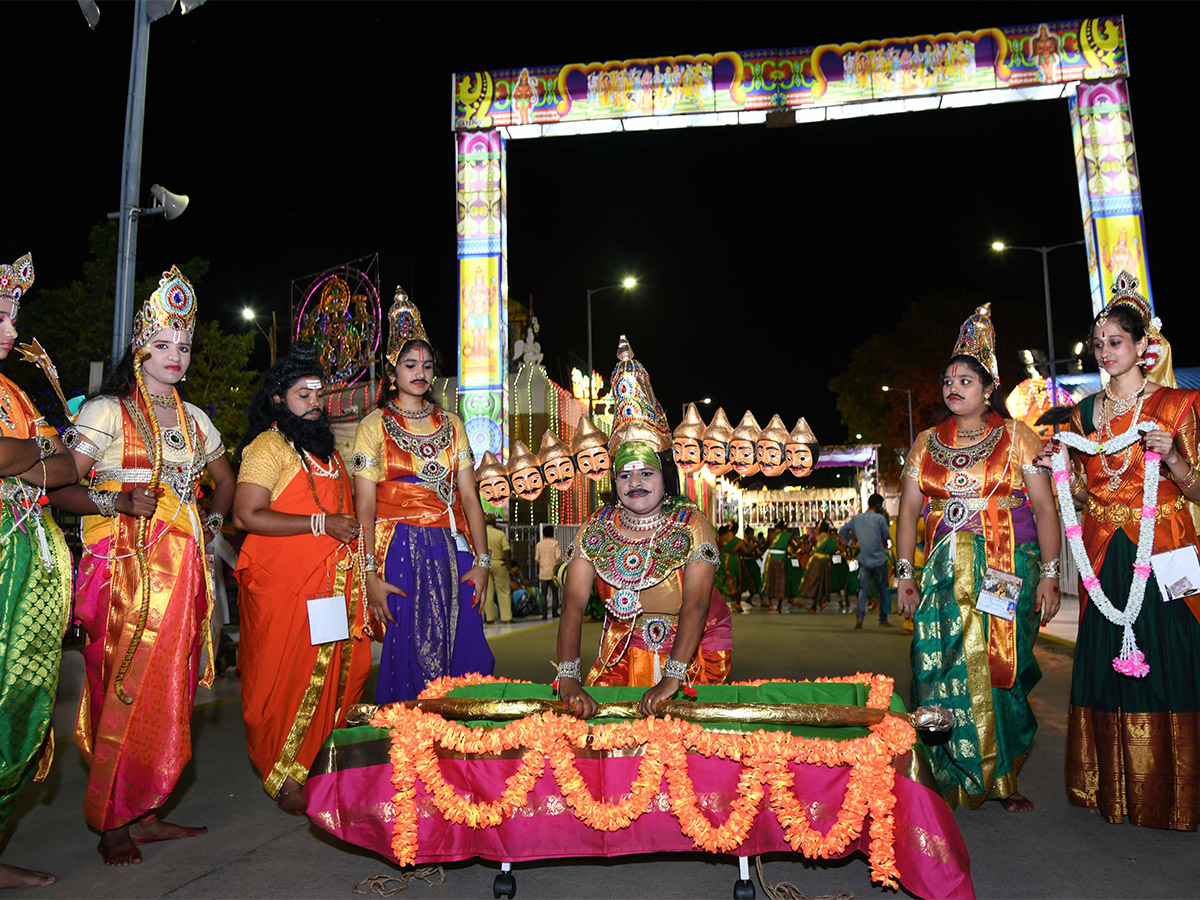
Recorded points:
(294, 694)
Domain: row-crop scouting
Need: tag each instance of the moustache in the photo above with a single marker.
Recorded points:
(638, 492)
(955, 397)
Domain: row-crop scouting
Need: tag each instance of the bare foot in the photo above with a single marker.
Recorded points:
(151, 829)
(15, 876)
(291, 798)
(1016, 802)
(118, 848)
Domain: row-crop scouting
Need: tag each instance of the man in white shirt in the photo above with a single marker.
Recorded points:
(548, 553)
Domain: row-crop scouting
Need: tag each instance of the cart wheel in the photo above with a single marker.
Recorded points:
(743, 889)
(505, 885)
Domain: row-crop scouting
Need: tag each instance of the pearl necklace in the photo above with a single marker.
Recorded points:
(642, 523)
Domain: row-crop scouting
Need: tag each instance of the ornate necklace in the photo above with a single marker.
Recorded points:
(1107, 436)
(5, 410)
(425, 410)
(166, 401)
(642, 523)
(1122, 405)
(962, 458)
(972, 433)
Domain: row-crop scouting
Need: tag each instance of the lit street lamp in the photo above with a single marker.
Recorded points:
(683, 406)
(628, 284)
(911, 437)
(249, 315)
(1000, 247)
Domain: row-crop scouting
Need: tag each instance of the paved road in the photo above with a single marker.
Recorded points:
(252, 850)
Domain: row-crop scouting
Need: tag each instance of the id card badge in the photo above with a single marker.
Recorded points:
(795, 563)
(837, 559)
(327, 620)
(853, 565)
(1177, 572)
(999, 593)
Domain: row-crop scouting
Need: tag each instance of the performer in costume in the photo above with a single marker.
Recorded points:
(1132, 737)
(987, 507)
(144, 593)
(653, 552)
(416, 498)
(818, 574)
(294, 503)
(35, 578)
(728, 577)
(775, 569)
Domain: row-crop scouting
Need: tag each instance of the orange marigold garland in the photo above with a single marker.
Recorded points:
(764, 757)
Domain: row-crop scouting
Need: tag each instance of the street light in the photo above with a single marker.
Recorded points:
(1000, 247)
(249, 315)
(911, 438)
(628, 284)
(683, 406)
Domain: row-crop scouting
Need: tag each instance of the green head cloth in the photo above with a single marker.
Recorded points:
(639, 451)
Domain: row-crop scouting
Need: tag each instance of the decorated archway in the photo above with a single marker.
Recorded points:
(1082, 62)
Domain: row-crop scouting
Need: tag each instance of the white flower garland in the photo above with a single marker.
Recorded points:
(1131, 661)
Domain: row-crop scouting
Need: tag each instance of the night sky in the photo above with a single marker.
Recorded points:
(309, 134)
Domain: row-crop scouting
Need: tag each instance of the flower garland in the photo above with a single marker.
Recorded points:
(552, 739)
(1130, 661)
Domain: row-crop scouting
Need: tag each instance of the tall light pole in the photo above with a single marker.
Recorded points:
(911, 437)
(1000, 247)
(131, 164)
(249, 315)
(628, 284)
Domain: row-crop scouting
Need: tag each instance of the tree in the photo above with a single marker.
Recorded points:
(74, 324)
(220, 380)
(910, 355)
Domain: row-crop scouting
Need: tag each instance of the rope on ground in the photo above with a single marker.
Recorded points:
(383, 887)
(785, 890)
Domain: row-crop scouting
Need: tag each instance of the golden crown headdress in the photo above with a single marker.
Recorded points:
(1156, 361)
(587, 436)
(638, 415)
(15, 280)
(719, 429)
(172, 307)
(775, 431)
(404, 325)
(977, 339)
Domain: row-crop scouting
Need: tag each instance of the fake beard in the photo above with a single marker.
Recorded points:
(313, 435)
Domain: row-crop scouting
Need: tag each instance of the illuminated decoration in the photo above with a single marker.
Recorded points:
(951, 69)
(1109, 188)
(341, 315)
(579, 387)
(1031, 398)
(1081, 60)
(483, 290)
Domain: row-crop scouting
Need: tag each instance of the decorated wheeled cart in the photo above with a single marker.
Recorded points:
(482, 767)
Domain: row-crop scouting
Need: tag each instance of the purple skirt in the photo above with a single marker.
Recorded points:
(436, 632)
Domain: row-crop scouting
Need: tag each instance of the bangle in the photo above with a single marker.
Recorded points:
(569, 669)
(1052, 569)
(106, 502)
(1076, 483)
(316, 524)
(1187, 480)
(484, 559)
(215, 521)
(905, 570)
(673, 668)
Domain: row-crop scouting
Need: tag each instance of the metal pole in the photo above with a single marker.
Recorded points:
(911, 438)
(588, 374)
(1049, 325)
(131, 178)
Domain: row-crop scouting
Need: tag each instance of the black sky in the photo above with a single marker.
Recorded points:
(308, 133)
